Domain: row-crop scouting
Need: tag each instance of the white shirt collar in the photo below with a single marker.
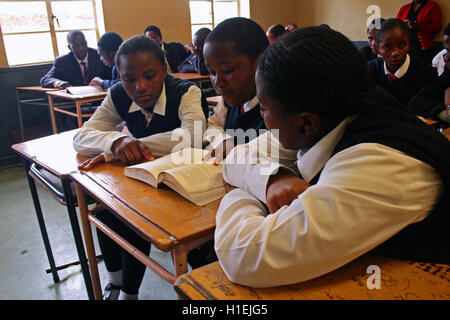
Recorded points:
(311, 161)
(159, 108)
(249, 105)
(402, 70)
(85, 60)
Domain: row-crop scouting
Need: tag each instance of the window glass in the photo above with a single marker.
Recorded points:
(200, 12)
(224, 10)
(19, 46)
(72, 15)
(24, 16)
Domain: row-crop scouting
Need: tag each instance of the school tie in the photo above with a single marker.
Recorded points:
(241, 110)
(391, 77)
(85, 72)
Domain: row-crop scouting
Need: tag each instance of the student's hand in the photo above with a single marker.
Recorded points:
(96, 82)
(131, 151)
(220, 152)
(61, 84)
(189, 47)
(91, 163)
(228, 187)
(283, 188)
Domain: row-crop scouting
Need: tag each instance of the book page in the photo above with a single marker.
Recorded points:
(83, 89)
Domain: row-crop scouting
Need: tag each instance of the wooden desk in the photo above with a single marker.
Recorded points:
(74, 98)
(190, 76)
(160, 216)
(56, 154)
(400, 280)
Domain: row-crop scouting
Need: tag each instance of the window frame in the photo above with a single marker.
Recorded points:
(52, 30)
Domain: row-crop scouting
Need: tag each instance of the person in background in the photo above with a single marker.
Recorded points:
(196, 62)
(424, 18)
(107, 45)
(78, 67)
(291, 27)
(438, 61)
(370, 51)
(274, 32)
(174, 52)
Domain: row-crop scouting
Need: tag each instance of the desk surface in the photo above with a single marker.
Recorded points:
(36, 89)
(190, 76)
(55, 153)
(400, 280)
(65, 95)
(160, 215)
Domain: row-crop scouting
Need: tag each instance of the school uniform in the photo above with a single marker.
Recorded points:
(438, 61)
(175, 53)
(194, 63)
(115, 77)
(180, 105)
(69, 68)
(367, 53)
(409, 79)
(378, 178)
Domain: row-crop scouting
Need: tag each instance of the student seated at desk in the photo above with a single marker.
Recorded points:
(108, 44)
(195, 63)
(438, 61)
(396, 71)
(76, 68)
(153, 104)
(174, 52)
(369, 174)
(370, 51)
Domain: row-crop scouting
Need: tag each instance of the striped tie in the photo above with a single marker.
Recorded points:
(391, 77)
(85, 72)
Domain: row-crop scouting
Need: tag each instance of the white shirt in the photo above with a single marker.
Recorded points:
(215, 134)
(365, 194)
(439, 62)
(169, 69)
(99, 133)
(402, 70)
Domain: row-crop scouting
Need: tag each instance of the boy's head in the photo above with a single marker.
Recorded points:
(309, 81)
(393, 43)
(142, 68)
(77, 44)
(291, 27)
(231, 54)
(199, 39)
(274, 32)
(372, 29)
(154, 33)
(446, 44)
(108, 44)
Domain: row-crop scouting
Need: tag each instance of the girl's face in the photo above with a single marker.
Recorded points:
(277, 118)
(142, 76)
(393, 47)
(233, 75)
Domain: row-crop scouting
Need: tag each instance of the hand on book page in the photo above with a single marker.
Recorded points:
(131, 151)
(83, 89)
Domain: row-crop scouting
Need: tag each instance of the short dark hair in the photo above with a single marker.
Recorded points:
(248, 37)
(154, 29)
(72, 34)
(139, 44)
(202, 33)
(447, 30)
(374, 23)
(391, 24)
(319, 70)
(109, 42)
(277, 30)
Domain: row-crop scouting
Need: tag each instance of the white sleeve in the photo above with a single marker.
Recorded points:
(193, 124)
(100, 131)
(366, 194)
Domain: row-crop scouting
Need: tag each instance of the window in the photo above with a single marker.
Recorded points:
(209, 13)
(35, 31)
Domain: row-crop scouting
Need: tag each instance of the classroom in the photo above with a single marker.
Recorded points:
(224, 150)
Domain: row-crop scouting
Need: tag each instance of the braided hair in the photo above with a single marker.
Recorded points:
(248, 37)
(319, 70)
(139, 44)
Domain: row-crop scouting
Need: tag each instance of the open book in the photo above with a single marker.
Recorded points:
(185, 172)
(83, 89)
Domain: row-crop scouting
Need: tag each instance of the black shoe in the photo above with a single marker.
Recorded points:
(111, 292)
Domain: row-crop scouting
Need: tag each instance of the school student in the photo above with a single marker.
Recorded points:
(370, 51)
(438, 61)
(154, 105)
(368, 174)
(174, 52)
(196, 62)
(275, 31)
(107, 45)
(78, 67)
(396, 71)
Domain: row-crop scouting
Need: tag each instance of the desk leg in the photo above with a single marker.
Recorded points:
(82, 205)
(179, 255)
(77, 237)
(79, 117)
(19, 111)
(37, 207)
(51, 106)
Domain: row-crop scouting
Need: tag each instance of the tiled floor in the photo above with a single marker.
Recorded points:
(23, 259)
